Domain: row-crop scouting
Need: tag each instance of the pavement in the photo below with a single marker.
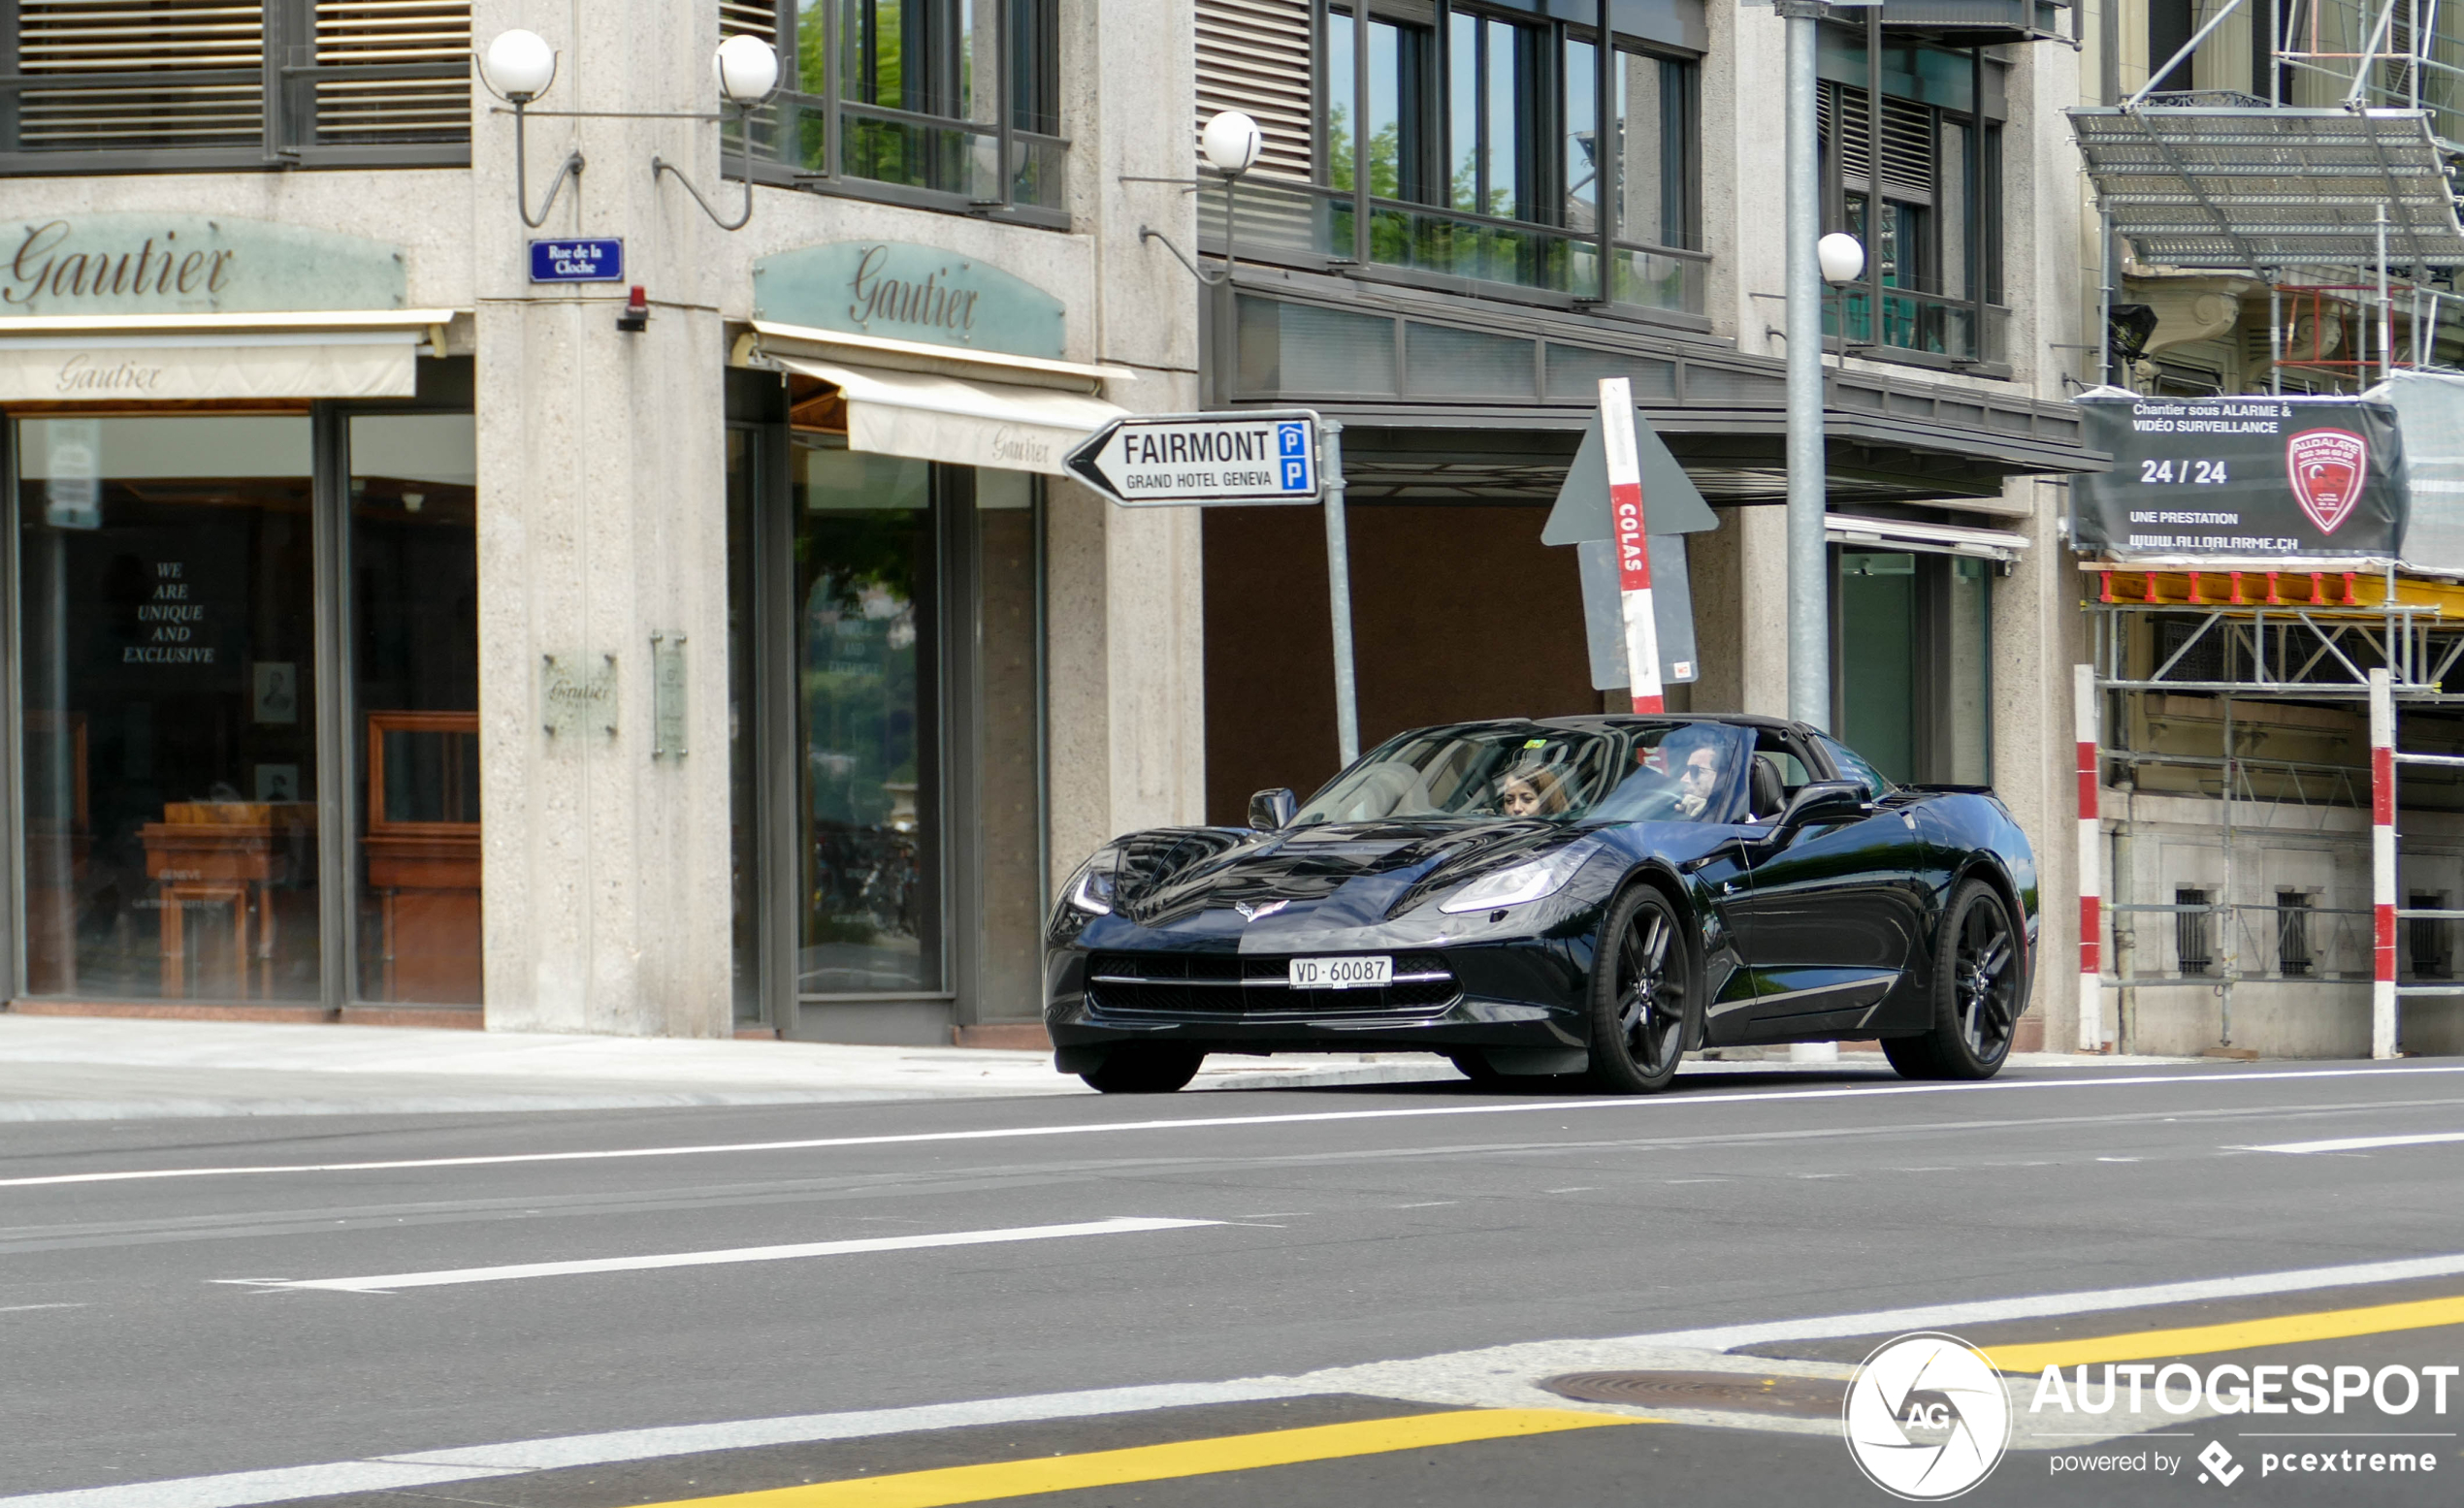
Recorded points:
(85, 1068)
(1307, 1295)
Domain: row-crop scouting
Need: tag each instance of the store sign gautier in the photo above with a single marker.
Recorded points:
(190, 264)
(899, 291)
(121, 270)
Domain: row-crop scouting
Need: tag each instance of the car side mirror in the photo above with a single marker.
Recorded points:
(1270, 810)
(1823, 801)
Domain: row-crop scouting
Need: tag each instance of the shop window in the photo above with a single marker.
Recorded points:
(950, 104)
(869, 707)
(1913, 690)
(185, 679)
(167, 608)
(886, 706)
(414, 599)
(142, 84)
(1482, 138)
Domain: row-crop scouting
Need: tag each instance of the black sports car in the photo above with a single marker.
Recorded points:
(1575, 894)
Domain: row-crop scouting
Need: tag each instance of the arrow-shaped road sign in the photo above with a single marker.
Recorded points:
(1180, 458)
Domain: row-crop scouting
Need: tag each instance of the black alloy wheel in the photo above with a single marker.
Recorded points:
(1145, 1068)
(1978, 973)
(1641, 988)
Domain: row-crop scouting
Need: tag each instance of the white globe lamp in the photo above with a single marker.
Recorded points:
(1232, 142)
(1842, 257)
(748, 70)
(519, 65)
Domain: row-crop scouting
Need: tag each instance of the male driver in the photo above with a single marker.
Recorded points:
(1698, 782)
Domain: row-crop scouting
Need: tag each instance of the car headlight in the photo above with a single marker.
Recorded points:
(1519, 884)
(1092, 889)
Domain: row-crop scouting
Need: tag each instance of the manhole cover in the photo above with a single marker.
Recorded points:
(1749, 1392)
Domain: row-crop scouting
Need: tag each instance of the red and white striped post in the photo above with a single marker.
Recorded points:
(2382, 864)
(2092, 1030)
(1633, 543)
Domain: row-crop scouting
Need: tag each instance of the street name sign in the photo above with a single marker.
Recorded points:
(600, 261)
(1215, 458)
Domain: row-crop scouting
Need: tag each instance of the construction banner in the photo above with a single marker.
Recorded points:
(2240, 479)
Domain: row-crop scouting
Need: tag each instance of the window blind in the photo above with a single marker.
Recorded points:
(1907, 143)
(363, 33)
(1253, 57)
(140, 73)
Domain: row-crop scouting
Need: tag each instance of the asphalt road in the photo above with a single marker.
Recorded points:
(191, 1312)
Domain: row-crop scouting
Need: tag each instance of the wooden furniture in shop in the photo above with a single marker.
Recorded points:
(227, 853)
(423, 856)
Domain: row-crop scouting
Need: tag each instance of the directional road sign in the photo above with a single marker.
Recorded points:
(1217, 457)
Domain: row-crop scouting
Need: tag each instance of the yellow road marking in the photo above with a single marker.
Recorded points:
(2239, 1335)
(1160, 1462)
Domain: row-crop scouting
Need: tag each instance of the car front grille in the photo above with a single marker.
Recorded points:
(1236, 987)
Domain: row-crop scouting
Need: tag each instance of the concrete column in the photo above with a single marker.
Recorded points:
(602, 496)
(1124, 586)
(2038, 629)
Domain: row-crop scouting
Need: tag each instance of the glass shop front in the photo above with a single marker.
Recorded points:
(243, 671)
(886, 691)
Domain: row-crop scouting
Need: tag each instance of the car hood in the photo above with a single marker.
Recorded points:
(1315, 879)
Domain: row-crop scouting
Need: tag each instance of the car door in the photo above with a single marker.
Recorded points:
(1833, 910)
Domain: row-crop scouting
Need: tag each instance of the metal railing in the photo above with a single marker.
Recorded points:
(1284, 222)
(1960, 328)
(940, 160)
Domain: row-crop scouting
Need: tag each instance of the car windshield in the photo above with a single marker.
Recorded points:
(1530, 772)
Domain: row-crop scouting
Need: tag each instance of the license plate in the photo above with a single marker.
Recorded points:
(1370, 972)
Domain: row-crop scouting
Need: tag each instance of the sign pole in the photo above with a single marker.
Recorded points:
(1339, 597)
(2383, 905)
(1808, 554)
(1633, 543)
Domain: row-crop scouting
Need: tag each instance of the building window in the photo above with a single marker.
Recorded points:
(2427, 937)
(245, 779)
(2193, 931)
(1481, 139)
(1922, 192)
(945, 104)
(96, 86)
(2293, 934)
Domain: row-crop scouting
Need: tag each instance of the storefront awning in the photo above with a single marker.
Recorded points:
(1991, 544)
(185, 358)
(958, 420)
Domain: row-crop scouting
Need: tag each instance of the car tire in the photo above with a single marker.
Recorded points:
(1642, 993)
(1980, 969)
(1912, 1056)
(1143, 1068)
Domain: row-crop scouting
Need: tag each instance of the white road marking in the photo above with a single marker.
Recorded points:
(21, 1308)
(1207, 1123)
(1462, 1376)
(390, 1282)
(1728, 1337)
(468, 1463)
(1430, 1203)
(2118, 1159)
(2355, 1144)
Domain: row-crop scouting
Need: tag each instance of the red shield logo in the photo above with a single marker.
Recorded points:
(2327, 468)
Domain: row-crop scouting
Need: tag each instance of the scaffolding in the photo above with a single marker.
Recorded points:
(2380, 640)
